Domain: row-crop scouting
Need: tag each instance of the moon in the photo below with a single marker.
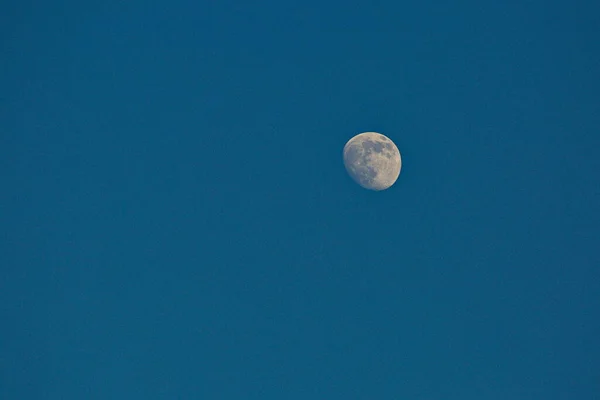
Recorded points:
(372, 160)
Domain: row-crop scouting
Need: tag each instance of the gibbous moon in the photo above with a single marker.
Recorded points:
(372, 160)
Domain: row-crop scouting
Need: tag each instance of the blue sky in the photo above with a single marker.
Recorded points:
(178, 223)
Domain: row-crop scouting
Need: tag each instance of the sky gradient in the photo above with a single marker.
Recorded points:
(178, 224)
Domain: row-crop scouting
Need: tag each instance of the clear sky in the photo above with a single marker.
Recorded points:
(177, 222)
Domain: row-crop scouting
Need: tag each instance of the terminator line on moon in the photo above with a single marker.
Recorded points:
(372, 160)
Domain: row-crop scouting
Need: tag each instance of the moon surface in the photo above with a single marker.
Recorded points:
(372, 160)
